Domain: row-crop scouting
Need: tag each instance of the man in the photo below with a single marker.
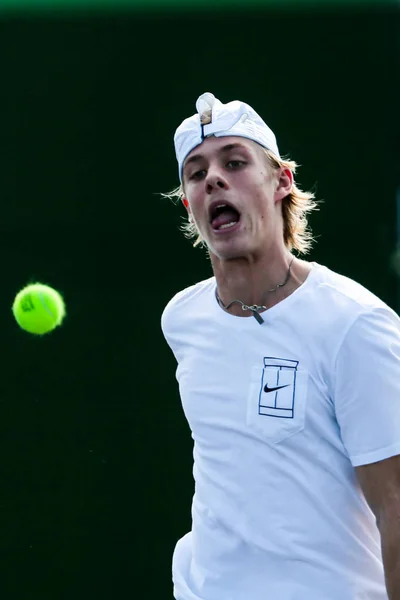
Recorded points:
(289, 378)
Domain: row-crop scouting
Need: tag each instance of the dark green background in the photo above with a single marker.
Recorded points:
(113, 5)
(95, 467)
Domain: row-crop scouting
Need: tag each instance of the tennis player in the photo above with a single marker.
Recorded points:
(289, 376)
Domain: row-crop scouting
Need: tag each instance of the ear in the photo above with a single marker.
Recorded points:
(185, 203)
(284, 184)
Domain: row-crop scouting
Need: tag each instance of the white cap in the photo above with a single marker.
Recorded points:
(214, 118)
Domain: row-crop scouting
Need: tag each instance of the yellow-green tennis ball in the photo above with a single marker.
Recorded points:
(38, 308)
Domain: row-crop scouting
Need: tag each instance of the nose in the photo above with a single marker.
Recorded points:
(215, 180)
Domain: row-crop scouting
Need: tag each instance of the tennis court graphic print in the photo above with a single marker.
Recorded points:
(278, 388)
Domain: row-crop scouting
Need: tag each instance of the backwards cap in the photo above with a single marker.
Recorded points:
(214, 118)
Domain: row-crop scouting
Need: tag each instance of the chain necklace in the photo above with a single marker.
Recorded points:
(255, 308)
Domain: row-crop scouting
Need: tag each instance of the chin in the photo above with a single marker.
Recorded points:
(226, 253)
(230, 246)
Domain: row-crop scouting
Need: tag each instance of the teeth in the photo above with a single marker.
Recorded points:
(231, 224)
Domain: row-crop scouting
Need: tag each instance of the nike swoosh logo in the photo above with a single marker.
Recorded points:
(274, 389)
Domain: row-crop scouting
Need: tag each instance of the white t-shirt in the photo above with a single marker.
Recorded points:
(277, 512)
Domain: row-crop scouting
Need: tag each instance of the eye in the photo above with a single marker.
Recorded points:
(236, 164)
(197, 175)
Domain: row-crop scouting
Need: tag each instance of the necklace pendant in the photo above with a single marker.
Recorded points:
(254, 309)
(258, 317)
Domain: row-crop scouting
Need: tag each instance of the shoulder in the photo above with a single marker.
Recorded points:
(362, 318)
(348, 305)
(337, 312)
(185, 302)
(345, 294)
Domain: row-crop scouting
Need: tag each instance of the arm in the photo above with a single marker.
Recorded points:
(380, 483)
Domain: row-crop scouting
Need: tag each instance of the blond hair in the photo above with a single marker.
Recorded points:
(295, 209)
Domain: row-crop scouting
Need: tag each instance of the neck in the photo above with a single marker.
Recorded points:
(257, 283)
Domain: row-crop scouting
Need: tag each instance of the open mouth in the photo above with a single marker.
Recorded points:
(223, 216)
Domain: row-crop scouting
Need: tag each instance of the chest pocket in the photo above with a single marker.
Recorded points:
(276, 402)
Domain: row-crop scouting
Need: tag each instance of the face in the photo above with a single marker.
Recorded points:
(234, 196)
